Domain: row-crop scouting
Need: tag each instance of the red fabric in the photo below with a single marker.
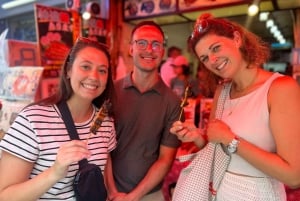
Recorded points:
(172, 177)
(292, 194)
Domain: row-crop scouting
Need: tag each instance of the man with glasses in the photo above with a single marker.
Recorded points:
(144, 111)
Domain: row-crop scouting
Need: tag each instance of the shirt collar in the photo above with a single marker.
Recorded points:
(159, 87)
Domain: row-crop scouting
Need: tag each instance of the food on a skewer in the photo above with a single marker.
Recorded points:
(184, 101)
(103, 112)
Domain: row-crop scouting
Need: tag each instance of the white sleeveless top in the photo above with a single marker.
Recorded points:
(248, 117)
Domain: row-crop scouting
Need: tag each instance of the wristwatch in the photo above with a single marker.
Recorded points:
(233, 145)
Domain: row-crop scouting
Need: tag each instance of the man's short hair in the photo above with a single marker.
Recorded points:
(148, 23)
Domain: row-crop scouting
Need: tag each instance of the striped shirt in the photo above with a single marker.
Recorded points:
(39, 131)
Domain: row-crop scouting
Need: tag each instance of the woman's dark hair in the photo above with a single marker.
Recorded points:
(65, 90)
(254, 49)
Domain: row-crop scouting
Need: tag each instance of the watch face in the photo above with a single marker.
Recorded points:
(231, 149)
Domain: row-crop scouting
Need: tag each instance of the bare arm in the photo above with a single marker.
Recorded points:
(284, 107)
(14, 173)
(14, 183)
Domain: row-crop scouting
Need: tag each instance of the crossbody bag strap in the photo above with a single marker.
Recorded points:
(68, 120)
(222, 99)
(221, 159)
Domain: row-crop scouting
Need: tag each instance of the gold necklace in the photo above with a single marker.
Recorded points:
(232, 107)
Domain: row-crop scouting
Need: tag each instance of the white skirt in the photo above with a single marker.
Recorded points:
(243, 188)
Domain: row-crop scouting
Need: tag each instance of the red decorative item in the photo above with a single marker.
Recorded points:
(292, 194)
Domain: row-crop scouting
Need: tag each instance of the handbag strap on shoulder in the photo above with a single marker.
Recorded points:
(68, 120)
(222, 99)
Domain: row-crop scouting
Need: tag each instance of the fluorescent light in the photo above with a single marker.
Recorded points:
(263, 16)
(15, 3)
(253, 10)
(277, 34)
(86, 15)
(269, 23)
(282, 41)
(273, 29)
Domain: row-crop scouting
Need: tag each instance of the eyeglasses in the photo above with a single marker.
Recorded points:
(142, 44)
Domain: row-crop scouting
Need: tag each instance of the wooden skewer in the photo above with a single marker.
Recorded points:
(184, 101)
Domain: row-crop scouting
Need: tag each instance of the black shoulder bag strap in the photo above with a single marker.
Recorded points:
(68, 120)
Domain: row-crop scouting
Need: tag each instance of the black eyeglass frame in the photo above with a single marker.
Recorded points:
(161, 45)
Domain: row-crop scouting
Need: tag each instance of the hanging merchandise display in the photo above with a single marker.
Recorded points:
(19, 84)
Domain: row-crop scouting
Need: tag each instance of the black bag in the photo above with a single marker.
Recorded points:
(88, 183)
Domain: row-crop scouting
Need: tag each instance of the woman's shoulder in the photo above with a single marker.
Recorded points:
(284, 82)
(284, 87)
(38, 109)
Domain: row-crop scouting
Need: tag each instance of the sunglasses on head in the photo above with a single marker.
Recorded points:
(202, 26)
(85, 40)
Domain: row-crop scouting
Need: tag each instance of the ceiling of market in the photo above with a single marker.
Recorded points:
(281, 11)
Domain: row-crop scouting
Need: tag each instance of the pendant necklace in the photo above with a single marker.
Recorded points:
(245, 89)
(232, 106)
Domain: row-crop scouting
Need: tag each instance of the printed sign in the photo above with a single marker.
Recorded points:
(54, 34)
(133, 9)
(19, 83)
(198, 4)
(24, 53)
(9, 112)
(95, 29)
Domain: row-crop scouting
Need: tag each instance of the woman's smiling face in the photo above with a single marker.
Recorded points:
(219, 54)
(89, 73)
